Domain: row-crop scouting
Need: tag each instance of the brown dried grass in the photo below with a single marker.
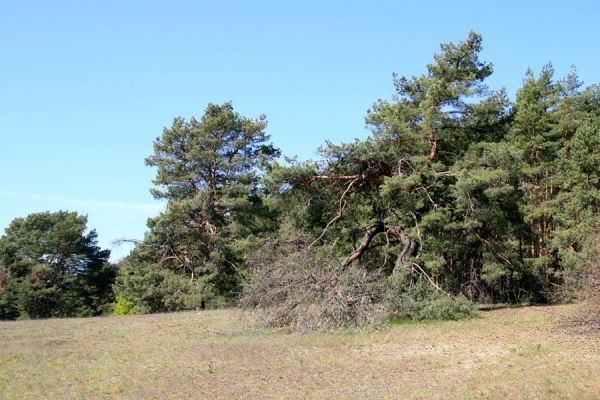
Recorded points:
(512, 353)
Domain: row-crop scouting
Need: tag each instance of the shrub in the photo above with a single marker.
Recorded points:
(586, 289)
(409, 297)
(153, 288)
(122, 306)
(443, 307)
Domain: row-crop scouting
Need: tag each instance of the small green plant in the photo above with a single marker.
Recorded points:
(443, 307)
(530, 350)
(418, 301)
(123, 306)
(211, 367)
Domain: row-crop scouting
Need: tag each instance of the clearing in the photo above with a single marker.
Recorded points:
(510, 353)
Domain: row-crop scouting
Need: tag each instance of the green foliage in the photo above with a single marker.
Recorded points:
(465, 192)
(442, 307)
(413, 299)
(50, 267)
(122, 306)
(216, 155)
(501, 198)
(207, 170)
(153, 289)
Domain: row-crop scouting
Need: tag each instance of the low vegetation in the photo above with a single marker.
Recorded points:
(290, 286)
(587, 292)
(515, 353)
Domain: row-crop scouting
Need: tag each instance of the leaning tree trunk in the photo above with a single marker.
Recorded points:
(372, 230)
(408, 244)
(408, 249)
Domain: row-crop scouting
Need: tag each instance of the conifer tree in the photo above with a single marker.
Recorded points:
(207, 171)
(51, 267)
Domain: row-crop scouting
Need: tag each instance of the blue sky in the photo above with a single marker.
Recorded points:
(86, 86)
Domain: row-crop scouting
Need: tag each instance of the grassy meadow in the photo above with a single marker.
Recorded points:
(517, 353)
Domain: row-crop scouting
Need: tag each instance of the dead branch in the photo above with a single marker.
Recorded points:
(371, 178)
(424, 189)
(343, 203)
(445, 173)
(291, 287)
(119, 242)
(423, 273)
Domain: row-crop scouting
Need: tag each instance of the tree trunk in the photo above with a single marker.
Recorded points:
(408, 249)
(372, 230)
(408, 244)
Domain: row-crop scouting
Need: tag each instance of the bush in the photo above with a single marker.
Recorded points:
(443, 307)
(152, 288)
(122, 306)
(409, 297)
(586, 288)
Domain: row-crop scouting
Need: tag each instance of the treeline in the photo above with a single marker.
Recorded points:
(458, 191)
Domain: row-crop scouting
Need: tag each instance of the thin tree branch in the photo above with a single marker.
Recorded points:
(343, 203)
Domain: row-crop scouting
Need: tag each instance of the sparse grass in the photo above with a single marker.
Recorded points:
(509, 353)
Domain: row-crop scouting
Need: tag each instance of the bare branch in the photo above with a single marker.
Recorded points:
(343, 203)
(376, 179)
(424, 189)
(422, 272)
(445, 173)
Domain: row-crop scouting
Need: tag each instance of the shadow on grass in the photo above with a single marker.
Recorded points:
(501, 306)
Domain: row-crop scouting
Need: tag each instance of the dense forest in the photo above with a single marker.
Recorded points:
(459, 195)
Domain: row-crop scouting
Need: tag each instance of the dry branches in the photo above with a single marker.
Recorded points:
(343, 201)
(290, 286)
(371, 178)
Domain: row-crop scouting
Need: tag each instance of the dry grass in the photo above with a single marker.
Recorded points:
(510, 353)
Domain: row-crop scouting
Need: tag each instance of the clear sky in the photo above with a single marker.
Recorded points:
(86, 86)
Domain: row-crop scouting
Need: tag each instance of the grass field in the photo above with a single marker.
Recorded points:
(506, 354)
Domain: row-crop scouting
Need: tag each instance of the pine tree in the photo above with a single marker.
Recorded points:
(207, 172)
(50, 267)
